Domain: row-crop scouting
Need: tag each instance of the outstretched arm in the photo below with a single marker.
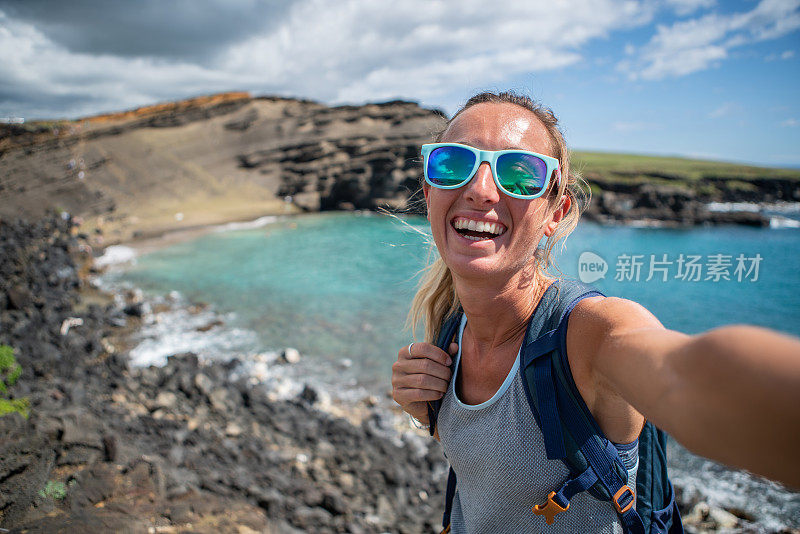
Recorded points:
(731, 394)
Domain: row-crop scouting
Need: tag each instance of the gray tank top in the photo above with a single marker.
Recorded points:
(497, 452)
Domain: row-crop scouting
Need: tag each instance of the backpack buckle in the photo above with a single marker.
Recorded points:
(549, 509)
(623, 491)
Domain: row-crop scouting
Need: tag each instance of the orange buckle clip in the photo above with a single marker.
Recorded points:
(549, 509)
(622, 491)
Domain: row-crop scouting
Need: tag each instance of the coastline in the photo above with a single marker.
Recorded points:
(205, 444)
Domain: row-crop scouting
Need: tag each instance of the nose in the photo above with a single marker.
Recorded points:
(482, 189)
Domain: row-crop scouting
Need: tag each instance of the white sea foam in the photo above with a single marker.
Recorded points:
(213, 336)
(733, 206)
(247, 225)
(783, 207)
(645, 223)
(722, 487)
(178, 330)
(115, 254)
(783, 222)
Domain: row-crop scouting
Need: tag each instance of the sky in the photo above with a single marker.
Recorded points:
(713, 79)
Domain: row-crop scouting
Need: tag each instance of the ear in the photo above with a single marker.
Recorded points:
(559, 214)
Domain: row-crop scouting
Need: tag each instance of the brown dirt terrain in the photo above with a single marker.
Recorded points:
(211, 160)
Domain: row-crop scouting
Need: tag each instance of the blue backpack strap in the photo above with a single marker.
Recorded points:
(443, 340)
(570, 433)
(577, 440)
(656, 510)
(448, 497)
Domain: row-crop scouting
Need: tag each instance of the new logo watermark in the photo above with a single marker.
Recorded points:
(591, 267)
(664, 267)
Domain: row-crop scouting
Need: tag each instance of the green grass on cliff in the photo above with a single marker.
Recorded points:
(10, 371)
(635, 168)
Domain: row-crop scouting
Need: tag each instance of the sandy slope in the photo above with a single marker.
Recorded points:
(211, 161)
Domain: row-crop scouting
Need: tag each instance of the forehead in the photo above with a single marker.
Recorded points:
(498, 126)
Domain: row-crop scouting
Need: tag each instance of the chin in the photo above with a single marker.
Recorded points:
(481, 267)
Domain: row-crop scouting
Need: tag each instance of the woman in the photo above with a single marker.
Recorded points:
(731, 394)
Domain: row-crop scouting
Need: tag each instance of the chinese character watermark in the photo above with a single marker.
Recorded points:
(664, 267)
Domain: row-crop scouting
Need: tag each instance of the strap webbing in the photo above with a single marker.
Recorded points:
(448, 497)
(548, 409)
(443, 341)
(575, 485)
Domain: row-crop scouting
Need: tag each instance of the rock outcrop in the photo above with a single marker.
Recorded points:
(214, 159)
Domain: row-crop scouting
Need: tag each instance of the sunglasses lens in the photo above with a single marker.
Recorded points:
(521, 174)
(450, 166)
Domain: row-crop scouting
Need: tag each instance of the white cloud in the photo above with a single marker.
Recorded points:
(684, 7)
(698, 44)
(725, 110)
(360, 50)
(786, 54)
(790, 123)
(349, 51)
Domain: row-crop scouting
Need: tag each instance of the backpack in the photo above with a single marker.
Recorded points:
(571, 434)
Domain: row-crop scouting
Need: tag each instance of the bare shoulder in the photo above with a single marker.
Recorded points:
(592, 323)
(594, 318)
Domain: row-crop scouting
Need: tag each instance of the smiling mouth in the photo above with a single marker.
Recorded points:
(477, 230)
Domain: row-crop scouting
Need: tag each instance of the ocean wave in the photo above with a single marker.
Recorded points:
(783, 222)
(783, 207)
(182, 328)
(248, 225)
(733, 206)
(114, 255)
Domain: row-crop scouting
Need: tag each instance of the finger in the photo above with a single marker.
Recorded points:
(419, 381)
(405, 396)
(425, 350)
(422, 381)
(453, 349)
(425, 366)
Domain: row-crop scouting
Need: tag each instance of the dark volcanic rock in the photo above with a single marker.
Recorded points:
(108, 448)
(662, 205)
(25, 463)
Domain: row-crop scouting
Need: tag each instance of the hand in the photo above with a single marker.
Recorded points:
(421, 375)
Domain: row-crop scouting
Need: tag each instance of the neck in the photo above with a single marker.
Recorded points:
(498, 313)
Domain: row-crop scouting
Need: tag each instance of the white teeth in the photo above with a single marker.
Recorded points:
(478, 226)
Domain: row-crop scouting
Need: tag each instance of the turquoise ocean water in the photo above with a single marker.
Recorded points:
(338, 287)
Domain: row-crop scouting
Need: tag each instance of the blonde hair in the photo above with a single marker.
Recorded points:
(436, 296)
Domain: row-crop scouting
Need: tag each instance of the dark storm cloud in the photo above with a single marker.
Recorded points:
(174, 29)
(41, 103)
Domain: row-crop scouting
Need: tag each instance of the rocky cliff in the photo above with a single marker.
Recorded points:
(213, 159)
